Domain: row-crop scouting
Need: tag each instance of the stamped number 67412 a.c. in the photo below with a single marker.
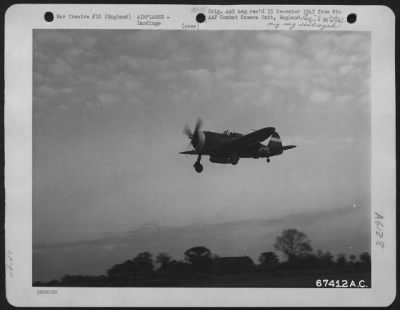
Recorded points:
(340, 283)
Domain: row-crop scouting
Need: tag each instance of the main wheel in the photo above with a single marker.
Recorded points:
(198, 167)
(268, 160)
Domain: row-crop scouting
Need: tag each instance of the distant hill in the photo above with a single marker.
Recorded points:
(341, 230)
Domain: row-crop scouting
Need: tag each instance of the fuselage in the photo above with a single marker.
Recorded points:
(217, 145)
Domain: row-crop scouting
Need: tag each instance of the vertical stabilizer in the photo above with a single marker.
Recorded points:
(275, 144)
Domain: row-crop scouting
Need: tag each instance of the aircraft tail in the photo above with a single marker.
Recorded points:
(275, 144)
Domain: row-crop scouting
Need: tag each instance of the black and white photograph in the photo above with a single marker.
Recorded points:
(196, 155)
(192, 159)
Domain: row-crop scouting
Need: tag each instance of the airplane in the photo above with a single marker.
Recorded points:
(228, 147)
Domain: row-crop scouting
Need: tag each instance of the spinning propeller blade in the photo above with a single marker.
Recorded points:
(198, 126)
(193, 136)
(187, 131)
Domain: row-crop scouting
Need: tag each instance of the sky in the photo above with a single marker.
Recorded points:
(109, 107)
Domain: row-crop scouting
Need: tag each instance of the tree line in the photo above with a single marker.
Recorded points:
(293, 245)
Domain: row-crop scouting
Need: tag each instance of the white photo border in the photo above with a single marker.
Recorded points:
(21, 19)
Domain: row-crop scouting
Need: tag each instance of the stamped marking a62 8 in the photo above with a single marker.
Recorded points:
(379, 230)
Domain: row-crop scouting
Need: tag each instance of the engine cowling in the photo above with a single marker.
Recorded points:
(199, 141)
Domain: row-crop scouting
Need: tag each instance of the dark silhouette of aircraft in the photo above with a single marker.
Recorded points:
(228, 147)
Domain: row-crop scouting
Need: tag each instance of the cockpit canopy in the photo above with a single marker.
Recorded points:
(232, 134)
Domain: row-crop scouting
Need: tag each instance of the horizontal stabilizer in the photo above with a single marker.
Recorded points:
(193, 152)
(288, 147)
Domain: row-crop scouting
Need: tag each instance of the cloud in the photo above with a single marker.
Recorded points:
(293, 220)
(299, 141)
(277, 39)
(46, 91)
(198, 75)
(60, 67)
(131, 62)
(73, 52)
(320, 96)
(107, 98)
(345, 69)
(87, 41)
(285, 66)
(52, 37)
(120, 83)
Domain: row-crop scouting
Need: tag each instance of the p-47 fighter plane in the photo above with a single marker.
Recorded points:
(229, 147)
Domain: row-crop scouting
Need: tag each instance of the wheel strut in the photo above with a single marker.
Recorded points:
(197, 165)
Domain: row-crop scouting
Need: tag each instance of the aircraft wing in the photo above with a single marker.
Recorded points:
(193, 152)
(251, 138)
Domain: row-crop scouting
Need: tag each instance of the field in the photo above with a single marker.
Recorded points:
(295, 279)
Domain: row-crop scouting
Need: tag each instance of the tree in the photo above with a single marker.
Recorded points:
(293, 243)
(268, 260)
(324, 259)
(179, 268)
(126, 269)
(365, 259)
(214, 257)
(199, 257)
(341, 260)
(163, 260)
(327, 259)
(144, 262)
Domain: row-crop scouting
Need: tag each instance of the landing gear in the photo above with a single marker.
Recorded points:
(268, 160)
(197, 165)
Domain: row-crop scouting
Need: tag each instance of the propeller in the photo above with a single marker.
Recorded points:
(193, 136)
